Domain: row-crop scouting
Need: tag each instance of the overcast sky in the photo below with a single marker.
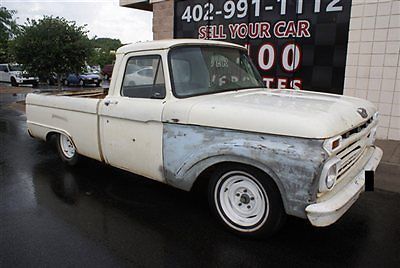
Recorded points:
(104, 18)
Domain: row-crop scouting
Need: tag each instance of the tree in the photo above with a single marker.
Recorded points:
(103, 51)
(52, 45)
(8, 30)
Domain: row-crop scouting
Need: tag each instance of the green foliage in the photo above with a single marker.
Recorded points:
(103, 51)
(52, 44)
(8, 30)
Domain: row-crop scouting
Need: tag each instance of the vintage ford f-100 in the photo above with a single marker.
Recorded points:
(193, 113)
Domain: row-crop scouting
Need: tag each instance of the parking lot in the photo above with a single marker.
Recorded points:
(96, 215)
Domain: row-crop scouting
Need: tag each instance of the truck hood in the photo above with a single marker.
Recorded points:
(281, 112)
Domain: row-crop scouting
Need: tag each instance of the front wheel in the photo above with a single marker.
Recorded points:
(246, 201)
(67, 150)
(14, 82)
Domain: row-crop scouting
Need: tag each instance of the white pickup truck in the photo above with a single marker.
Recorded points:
(193, 113)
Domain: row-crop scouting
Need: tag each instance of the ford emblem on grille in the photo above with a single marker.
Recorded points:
(362, 112)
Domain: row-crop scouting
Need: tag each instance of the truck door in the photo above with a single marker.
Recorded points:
(130, 120)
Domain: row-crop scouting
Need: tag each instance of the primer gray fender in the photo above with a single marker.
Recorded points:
(293, 163)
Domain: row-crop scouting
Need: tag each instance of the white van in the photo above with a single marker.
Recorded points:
(14, 74)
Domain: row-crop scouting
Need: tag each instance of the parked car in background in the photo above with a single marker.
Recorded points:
(15, 74)
(82, 79)
(142, 76)
(107, 70)
(51, 79)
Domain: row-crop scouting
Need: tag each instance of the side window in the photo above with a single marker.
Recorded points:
(144, 78)
(2, 68)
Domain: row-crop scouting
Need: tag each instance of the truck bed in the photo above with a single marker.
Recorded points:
(94, 94)
(74, 114)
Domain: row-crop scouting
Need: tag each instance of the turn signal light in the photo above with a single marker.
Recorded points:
(332, 144)
(335, 144)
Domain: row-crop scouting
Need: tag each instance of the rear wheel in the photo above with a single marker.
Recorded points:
(246, 201)
(81, 83)
(67, 150)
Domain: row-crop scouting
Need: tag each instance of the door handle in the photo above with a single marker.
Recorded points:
(108, 102)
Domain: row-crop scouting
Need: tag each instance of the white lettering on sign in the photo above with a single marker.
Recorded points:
(242, 8)
(266, 57)
(285, 29)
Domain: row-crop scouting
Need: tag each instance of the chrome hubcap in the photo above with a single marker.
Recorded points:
(67, 146)
(242, 201)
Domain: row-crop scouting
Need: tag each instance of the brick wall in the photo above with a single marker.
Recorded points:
(373, 69)
(163, 20)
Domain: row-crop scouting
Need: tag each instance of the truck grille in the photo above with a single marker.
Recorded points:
(352, 153)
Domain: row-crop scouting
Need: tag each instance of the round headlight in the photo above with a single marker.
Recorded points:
(329, 175)
(330, 181)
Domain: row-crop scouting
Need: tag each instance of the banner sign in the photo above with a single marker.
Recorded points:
(299, 44)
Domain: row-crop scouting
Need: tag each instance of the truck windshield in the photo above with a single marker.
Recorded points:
(200, 70)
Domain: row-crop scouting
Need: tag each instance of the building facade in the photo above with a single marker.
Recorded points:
(348, 47)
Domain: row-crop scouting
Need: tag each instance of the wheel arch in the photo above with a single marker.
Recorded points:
(52, 132)
(197, 177)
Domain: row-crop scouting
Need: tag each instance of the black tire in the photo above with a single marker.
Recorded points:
(35, 85)
(97, 84)
(69, 159)
(14, 82)
(230, 199)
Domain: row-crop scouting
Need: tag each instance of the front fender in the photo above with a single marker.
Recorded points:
(293, 163)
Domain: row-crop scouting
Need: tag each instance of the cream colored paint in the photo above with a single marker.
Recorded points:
(55, 114)
(281, 112)
(131, 128)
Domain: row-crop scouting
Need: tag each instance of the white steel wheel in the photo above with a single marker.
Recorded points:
(81, 83)
(242, 201)
(246, 201)
(67, 150)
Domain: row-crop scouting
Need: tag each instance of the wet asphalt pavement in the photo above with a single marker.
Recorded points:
(95, 215)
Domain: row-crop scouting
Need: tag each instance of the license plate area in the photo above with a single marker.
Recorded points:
(369, 180)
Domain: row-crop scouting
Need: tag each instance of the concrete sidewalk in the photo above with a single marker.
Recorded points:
(388, 172)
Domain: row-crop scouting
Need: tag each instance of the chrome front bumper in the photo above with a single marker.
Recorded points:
(328, 211)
